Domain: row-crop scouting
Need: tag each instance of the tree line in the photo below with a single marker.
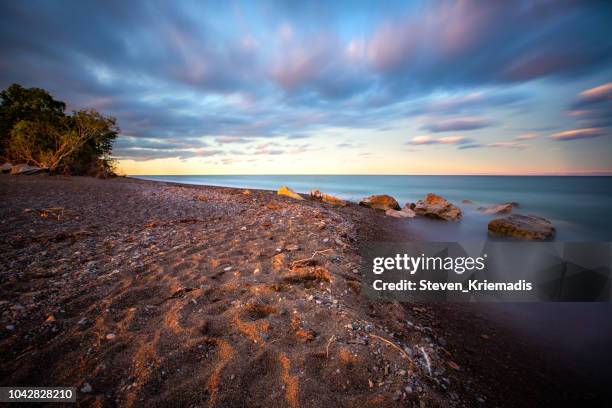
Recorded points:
(35, 129)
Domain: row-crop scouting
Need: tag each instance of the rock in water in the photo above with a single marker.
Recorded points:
(286, 191)
(326, 198)
(380, 202)
(505, 208)
(406, 212)
(435, 206)
(467, 202)
(26, 169)
(519, 226)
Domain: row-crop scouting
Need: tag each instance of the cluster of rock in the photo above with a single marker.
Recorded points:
(24, 169)
(432, 206)
(517, 226)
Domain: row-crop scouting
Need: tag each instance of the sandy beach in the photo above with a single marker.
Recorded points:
(142, 293)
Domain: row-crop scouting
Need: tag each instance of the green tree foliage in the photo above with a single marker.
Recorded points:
(34, 129)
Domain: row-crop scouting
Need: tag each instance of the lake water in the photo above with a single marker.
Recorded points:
(579, 207)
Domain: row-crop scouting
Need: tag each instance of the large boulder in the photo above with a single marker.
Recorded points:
(286, 191)
(26, 169)
(326, 198)
(505, 208)
(519, 226)
(380, 202)
(435, 206)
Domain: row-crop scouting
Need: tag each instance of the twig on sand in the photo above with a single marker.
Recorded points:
(328, 344)
(394, 346)
(299, 261)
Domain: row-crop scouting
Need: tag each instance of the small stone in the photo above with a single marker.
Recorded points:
(110, 336)
(243, 229)
(50, 319)
(10, 327)
(408, 389)
(86, 388)
(227, 269)
(256, 271)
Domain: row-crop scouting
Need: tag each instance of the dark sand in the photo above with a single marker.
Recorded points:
(160, 294)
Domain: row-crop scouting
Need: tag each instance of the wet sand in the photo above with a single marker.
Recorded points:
(145, 293)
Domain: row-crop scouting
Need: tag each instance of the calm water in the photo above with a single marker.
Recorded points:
(580, 207)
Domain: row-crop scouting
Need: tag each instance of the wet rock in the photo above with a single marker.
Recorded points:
(326, 198)
(380, 202)
(406, 212)
(26, 169)
(519, 226)
(505, 208)
(286, 191)
(435, 206)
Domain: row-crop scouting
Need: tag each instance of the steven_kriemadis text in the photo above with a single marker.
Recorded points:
(473, 285)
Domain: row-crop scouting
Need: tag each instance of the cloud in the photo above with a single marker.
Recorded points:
(231, 139)
(495, 145)
(509, 145)
(429, 140)
(575, 134)
(457, 124)
(592, 107)
(526, 136)
(171, 71)
(598, 94)
(142, 154)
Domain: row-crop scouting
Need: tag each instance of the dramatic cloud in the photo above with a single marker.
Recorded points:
(526, 136)
(177, 75)
(592, 111)
(509, 145)
(457, 124)
(231, 139)
(504, 145)
(429, 140)
(593, 107)
(575, 134)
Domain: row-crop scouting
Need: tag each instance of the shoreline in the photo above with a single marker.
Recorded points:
(208, 295)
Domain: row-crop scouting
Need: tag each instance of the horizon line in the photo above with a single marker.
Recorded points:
(550, 174)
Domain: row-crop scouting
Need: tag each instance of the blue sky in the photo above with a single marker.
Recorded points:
(329, 87)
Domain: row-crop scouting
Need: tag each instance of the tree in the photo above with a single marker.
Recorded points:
(50, 145)
(34, 129)
(18, 103)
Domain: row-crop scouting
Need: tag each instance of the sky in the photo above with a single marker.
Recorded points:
(343, 87)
